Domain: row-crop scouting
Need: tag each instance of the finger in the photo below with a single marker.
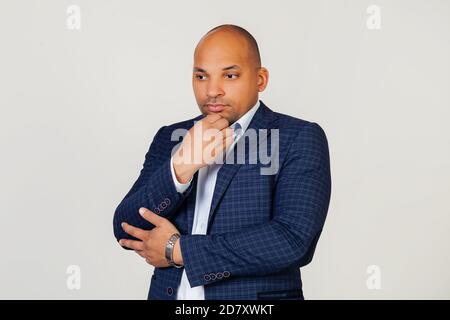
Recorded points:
(133, 231)
(221, 148)
(220, 124)
(227, 132)
(211, 118)
(132, 244)
(151, 217)
(222, 135)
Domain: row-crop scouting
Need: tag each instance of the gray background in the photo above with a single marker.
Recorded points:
(80, 107)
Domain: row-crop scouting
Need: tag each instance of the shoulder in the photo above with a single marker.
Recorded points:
(288, 122)
(294, 129)
(302, 142)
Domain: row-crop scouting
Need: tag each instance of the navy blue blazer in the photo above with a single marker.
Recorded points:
(261, 228)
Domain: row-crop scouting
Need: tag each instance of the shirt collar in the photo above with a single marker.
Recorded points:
(245, 120)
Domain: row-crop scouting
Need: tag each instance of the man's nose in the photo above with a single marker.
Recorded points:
(214, 89)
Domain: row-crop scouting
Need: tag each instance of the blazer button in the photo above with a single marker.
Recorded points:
(213, 276)
(156, 210)
(163, 205)
(170, 291)
(167, 201)
(207, 277)
(219, 275)
(226, 274)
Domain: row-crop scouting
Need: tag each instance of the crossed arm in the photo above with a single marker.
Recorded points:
(301, 199)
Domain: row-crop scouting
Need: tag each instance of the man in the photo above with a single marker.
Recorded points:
(216, 230)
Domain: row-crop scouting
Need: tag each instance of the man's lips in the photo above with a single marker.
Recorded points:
(215, 107)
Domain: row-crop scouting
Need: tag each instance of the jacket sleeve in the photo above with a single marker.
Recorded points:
(154, 189)
(300, 204)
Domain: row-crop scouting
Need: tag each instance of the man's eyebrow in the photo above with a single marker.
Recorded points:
(234, 66)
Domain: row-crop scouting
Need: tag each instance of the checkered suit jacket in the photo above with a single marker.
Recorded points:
(261, 228)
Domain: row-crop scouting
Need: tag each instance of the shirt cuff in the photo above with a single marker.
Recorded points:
(181, 187)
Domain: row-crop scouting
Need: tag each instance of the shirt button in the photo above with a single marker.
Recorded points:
(170, 291)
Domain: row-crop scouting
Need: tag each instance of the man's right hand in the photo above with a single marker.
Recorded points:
(202, 145)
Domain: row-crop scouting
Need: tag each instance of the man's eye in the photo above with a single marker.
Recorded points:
(200, 77)
(231, 76)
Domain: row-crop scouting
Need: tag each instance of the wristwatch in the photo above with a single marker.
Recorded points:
(169, 250)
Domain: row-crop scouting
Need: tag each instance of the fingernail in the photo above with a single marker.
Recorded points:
(141, 211)
(122, 224)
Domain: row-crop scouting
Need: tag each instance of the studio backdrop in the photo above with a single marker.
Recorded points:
(85, 85)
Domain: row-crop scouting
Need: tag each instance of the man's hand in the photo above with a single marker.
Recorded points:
(153, 242)
(202, 145)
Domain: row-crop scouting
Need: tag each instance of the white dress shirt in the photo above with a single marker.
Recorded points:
(205, 190)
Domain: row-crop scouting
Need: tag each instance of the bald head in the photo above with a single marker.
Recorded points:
(231, 30)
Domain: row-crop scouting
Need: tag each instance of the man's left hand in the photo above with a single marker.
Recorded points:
(153, 242)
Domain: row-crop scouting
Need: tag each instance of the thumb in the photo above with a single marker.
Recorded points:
(151, 217)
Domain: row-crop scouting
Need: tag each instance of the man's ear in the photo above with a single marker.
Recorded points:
(263, 79)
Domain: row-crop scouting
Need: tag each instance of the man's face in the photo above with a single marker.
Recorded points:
(226, 79)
